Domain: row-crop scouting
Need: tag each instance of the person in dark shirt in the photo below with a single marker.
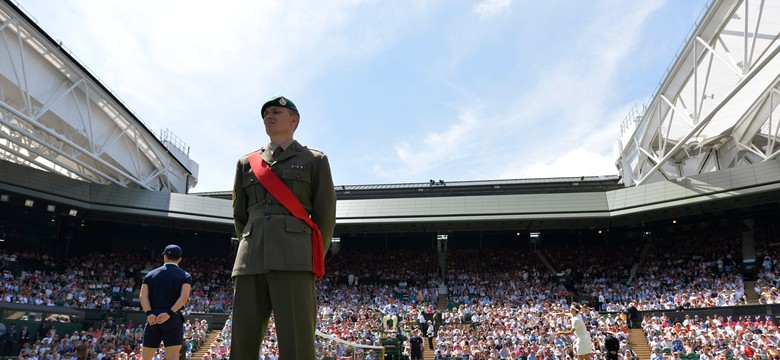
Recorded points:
(633, 316)
(82, 352)
(612, 345)
(11, 339)
(43, 331)
(110, 326)
(25, 335)
(416, 344)
(164, 292)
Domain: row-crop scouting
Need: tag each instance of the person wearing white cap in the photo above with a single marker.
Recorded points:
(583, 346)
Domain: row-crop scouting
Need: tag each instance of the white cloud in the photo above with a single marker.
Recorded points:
(588, 153)
(439, 147)
(561, 125)
(571, 102)
(202, 71)
(577, 162)
(490, 8)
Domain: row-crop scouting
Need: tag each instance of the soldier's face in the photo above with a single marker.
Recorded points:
(279, 121)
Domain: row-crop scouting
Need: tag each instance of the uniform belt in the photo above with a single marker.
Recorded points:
(268, 210)
(276, 209)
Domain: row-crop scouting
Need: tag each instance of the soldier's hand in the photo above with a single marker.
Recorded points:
(163, 318)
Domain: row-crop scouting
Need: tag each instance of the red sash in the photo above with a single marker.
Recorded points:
(281, 192)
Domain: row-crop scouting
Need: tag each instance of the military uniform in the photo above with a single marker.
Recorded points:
(273, 267)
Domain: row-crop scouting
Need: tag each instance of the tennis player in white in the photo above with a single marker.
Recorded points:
(583, 346)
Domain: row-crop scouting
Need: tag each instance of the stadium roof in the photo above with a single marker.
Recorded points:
(437, 188)
(725, 192)
(56, 115)
(717, 106)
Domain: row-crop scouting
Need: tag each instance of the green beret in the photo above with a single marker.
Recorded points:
(278, 101)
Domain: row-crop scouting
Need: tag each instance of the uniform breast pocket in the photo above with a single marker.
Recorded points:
(252, 188)
(248, 179)
(299, 181)
(297, 242)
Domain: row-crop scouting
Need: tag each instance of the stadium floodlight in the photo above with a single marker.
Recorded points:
(336, 240)
(73, 212)
(51, 208)
(29, 203)
(5, 197)
(442, 237)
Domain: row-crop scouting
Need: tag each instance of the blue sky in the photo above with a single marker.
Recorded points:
(393, 91)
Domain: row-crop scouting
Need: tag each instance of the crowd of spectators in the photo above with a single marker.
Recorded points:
(596, 271)
(87, 282)
(498, 298)
(500, 275)
(110, 340)
(212, 287)
(768, 261)
(507, 331)
(712, 337)
(107, 280)
(500, 301)
(695, 266)
(354, 299)
(691, 268)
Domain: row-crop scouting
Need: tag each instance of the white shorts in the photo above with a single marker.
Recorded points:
(583, 346)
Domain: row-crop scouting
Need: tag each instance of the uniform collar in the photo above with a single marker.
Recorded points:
(171, 263)
(285, 145)
(268, 150)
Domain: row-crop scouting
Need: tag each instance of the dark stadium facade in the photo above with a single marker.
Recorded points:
(51, 213)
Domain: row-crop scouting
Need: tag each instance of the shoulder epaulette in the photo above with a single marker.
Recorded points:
(260, 150)
(315, 150)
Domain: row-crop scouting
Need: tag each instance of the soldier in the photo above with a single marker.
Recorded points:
(284, 209)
